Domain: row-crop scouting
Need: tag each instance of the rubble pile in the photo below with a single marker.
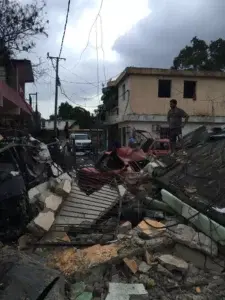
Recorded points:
(48, 197)
(145, 228)
(152, 260)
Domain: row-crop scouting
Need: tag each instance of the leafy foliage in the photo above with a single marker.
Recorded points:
(82, 116)
(201, 56)
(21, 24)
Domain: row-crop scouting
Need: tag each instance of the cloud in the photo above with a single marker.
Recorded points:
(157, 39)
(80, 74)
(146, 33)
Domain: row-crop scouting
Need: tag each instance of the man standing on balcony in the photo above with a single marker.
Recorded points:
(175, 117)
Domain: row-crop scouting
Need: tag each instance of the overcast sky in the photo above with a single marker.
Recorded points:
(147, 33)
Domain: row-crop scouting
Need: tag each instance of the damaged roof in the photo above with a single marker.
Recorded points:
(198, 178)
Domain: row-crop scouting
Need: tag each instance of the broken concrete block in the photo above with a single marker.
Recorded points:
(127, 290)
(51, 201)
(173, 263)
(42, 187)
(202, 222)
(131, 264)
(65, 176)
(197, 240)
(164, 271)
(63, 188)
(143, 267)
(44, 220)
(32, 194)
(125, 227)
(148, 257)
(198, 259)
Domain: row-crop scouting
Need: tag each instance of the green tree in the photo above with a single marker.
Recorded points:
(20, 25)
(200, 56)
(83, 117)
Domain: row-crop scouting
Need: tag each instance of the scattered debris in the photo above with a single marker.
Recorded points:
(131, 264)
(173, 263)
(143, 267)
(124, 291)
(134, 226)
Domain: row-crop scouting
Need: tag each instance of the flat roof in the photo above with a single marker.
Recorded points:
(164, 72)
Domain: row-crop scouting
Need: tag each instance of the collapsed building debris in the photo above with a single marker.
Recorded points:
(156, 235)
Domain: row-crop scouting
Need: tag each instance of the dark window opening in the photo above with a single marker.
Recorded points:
(190, 89)
(164, 88)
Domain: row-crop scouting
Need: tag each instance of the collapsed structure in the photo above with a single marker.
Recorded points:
(134, 226)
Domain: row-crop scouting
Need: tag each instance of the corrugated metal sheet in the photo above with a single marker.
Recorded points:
(80, 210)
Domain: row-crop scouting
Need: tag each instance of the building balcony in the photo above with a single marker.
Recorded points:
(11, 102)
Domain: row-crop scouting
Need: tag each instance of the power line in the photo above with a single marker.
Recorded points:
(64, 32)
(89, 34)
(77, 104)
(103, 52)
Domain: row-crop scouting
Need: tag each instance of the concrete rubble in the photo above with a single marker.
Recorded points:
(151, 238)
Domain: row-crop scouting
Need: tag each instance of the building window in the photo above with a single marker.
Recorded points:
(190, 89)
(164, 88)
(124, 91)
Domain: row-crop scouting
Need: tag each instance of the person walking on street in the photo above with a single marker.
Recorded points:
(175, 120)
(66, 130)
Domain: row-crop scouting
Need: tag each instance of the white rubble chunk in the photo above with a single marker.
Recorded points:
(32, 194)
(143, 267)
(125, 291)
(63, 188)
(173, 263)
(65, 176)
(42, 187)
(44, 220)
(53, 202)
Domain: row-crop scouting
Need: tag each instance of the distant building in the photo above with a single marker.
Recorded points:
(13, 76)
(139, 98)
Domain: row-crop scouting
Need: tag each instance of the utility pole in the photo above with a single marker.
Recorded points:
(30, 100)
(57, 83)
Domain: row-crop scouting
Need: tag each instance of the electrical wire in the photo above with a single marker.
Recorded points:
(97, 61)
(65, 26)
(89, 34)
(102, 48)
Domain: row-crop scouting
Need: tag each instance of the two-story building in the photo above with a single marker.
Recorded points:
(14, 74)
(139, 98)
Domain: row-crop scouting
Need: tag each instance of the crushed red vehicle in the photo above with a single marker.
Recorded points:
(160, 147)
(121, 162)
(112, 164)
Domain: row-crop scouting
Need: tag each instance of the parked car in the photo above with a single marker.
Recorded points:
(81, 141)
